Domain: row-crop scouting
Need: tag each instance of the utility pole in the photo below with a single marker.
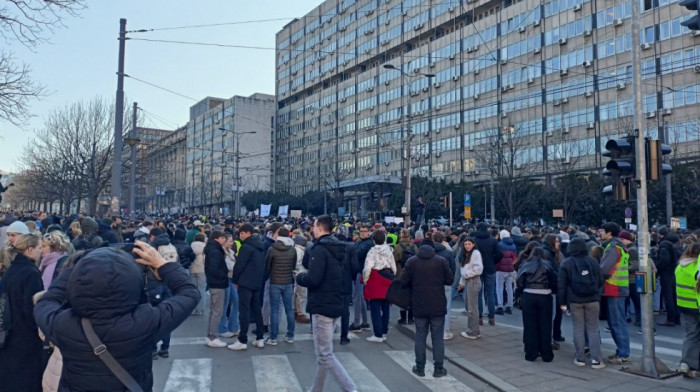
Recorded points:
(116, 185)
(132, 141)
(649, 365)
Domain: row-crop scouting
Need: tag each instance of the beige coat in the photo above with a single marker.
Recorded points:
(197, 267)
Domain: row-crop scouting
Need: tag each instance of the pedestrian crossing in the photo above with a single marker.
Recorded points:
(281, 372)
(297, 337)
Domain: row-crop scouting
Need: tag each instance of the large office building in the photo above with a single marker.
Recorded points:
(540, 84)
(228, 151)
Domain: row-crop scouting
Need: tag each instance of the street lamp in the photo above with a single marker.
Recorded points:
(407, 179)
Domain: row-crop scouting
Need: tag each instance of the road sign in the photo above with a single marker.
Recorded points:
(628, 212)
(467, 212)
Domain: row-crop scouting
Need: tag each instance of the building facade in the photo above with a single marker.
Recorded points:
(478, 86)
(228, 151)
(164, 188)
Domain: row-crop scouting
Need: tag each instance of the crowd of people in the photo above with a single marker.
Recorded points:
(235, 272)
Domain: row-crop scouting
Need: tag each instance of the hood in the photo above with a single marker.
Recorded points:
(671, 237)
(684, 261)
(334, 245)
(582, 235)
(198, 246)
(482, 234)
(88, 226)
(161, 240)
(508, 241)
(283, 243)
(426, 252)
(577, 247)
(105, 283)
(438, 247)
(384, 248)
(255, 242)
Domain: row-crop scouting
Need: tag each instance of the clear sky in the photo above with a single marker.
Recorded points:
(80, 62)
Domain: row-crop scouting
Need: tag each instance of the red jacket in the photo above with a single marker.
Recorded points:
(376, 286)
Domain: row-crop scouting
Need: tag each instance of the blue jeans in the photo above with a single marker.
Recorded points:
(436, 326)
(488, 287)
(322, 328)
(232, 324)
(286, 293)
(379, 309)
(618, 325)
(358, 302)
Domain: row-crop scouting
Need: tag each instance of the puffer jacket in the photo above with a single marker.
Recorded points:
(427, 274)
(508, 249)
(197, 266)
(249, 271)
(324, 261)
(52, 373)
(281, 260)
(215, 265)
(106, 287)
(378, 258)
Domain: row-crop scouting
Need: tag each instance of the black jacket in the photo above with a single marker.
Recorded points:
(184, 251)
(106, 286)
(427, 274)
(350, 268)
(667, 259)
(249, 271)
(362, 247)
(536, 274)
(215, 265)
(20, 359)
(565, 294)
(281, 260)
(324, 277)
(490, 253)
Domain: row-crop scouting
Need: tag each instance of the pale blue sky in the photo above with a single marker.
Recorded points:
(80, 62)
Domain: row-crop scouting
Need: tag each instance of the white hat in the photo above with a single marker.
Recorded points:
(198, 223)
(504, 234)
(18, 227)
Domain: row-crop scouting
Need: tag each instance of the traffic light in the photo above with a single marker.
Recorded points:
(654, 152)
(622, 166)
(693, 23)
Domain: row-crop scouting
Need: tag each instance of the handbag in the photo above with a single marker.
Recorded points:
(399, 295)
(101, 351)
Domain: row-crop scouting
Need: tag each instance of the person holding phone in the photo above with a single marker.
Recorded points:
(105, 286)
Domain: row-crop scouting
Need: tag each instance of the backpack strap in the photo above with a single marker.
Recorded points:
(101, 351)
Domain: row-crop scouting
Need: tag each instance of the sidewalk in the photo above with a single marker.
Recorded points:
(498, 359)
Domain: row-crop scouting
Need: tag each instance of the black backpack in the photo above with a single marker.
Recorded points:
(584, 280)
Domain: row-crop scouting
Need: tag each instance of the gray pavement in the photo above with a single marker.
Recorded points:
(497, 358)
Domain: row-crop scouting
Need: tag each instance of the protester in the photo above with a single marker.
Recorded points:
(688, 297)
(470, 280)
(281, 260)
(217, 280)
(379, 271)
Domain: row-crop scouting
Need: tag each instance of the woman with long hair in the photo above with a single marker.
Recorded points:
(536, 282)
(56, 247)
(553, 253)
(21, 364)
(471, 268)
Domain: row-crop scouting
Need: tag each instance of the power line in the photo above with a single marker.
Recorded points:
(159, 87)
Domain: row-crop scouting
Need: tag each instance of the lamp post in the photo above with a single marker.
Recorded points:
(407, 179)
(237, 199)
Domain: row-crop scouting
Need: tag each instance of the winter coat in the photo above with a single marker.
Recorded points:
(20, 360)
(667, 259)
(472, 269)
(362, 247)
(520, 243)
(427, 274)
(508, 249)
(184, 250)
(324, 278)
(189, 237)
(281, 260)
(378, 258)
(488, 247)
(52, 373)
(215, 265)
(197, 266)
(249, 271)
(565, 294)
(106, 287)
(536, 274)
(350, 269)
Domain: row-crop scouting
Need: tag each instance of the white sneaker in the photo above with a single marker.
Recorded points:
(375, 339)
(271, 342)
(229, 335)
(216, 343)
(288, 340)
(259, 343)
(237, 346)
(448, 335)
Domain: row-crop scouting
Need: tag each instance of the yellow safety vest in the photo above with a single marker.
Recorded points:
(391, 238)
(238, 246)
(686, 296)
(620, 277)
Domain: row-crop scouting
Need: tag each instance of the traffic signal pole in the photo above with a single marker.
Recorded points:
(649, 365)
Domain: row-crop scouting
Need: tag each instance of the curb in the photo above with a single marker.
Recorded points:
(470, 367)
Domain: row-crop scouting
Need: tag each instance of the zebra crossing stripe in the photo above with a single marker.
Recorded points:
(192, 375)
(363, 377)
(297, 337)
(406, 360)
(274, 373)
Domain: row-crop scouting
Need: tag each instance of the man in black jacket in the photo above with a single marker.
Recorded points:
(249, 278)
(185, 253)
(217, 280)
(490, 256)
(427, 274)
(667, 261)
(324, 279)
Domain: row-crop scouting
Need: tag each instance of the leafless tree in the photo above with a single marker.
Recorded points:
(27, 22)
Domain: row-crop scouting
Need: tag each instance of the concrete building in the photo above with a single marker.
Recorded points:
(526, 87)
(149, 139)
(228, 151)
(165, 173)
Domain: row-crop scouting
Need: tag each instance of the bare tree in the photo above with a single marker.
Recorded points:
(26, 22)
(75, 148)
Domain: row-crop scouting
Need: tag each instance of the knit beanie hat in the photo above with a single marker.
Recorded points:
(504, 234)
(18, 227)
